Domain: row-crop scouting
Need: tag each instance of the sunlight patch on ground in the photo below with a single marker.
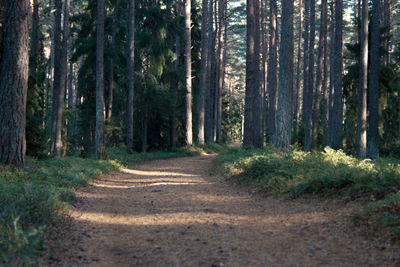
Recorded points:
(157, 173)
(146, 184)
(186, 218)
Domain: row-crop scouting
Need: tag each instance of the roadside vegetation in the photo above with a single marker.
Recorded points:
(323, 174)
(34, 199)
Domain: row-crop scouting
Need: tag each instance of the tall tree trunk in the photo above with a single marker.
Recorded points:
(111, 74)
(188, 70)
(175, 83)
(286, 78)
(100, 141)
(34, 45)
(373, 135)
(337, 116)
(57, 93)
(325, 90)
(331, 73)
(362, 93)
(14, 73)
(310, 82)
(220, 69)
(252, 105)
(203, 72)
(386, 24)
(208, 104)
(52, 49)
(214, 73)
(272, 69)
(131, 74)
(264, 66)
(318, 92)
(306, 115)
(298, 95)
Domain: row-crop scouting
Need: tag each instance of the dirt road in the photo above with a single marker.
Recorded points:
(173, 213)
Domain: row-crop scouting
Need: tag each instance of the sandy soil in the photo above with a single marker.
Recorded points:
(174, 213)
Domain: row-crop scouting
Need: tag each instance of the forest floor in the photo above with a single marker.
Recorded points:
(173, 212)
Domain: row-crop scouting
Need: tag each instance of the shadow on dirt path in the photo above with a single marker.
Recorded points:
(173, 213)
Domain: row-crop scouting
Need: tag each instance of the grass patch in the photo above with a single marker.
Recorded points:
(34, 198)
(327, 173)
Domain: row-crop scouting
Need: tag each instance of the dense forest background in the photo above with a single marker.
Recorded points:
(153, 75)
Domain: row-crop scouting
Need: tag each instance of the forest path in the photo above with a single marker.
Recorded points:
(174, 213)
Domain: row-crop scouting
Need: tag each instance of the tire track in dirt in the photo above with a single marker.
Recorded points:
(173, 213)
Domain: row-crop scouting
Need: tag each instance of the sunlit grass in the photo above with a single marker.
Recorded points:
(327, 173)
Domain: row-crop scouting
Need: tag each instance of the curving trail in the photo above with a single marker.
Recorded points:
(173, 213)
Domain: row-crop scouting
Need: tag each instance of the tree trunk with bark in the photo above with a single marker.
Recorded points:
(362, 93)
(337, 116)
(306, 110)
(298, 92)
(57, 92)
(310, 82)
(188, 71)
(386, 24)
(208, 104)
(286, 78)
(272, 69)
(325, 89)
(100, 147)
(319, 81)
(131, 74)
(14, 73)
(111, 74)
(373, 135)
(220, 70)
(264, 66)
(252, 99)
(203, 72)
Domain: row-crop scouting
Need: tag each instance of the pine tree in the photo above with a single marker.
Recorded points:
(14, 73)
(130, 74)
(188, 70)
(286, 78)
(362, 93)
(100, 148)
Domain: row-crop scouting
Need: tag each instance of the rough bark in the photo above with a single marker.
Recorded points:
(220, 70)
(208, 104)
(203, 72)
(319, 70)
(298, 92)
(111, 74)
(175, 83)
(310, 83)
(56, 122)
(362, 93)
(131, 76)
(373, 135)
(386, 24)
(337, 116)
(264, 66)
(286, 78)
(34, 45)
(325, 90)
(14, 73)
(252, 98)
(331, 74)
(272, 69)
(306, 110)
(188, 71)
(100, 147)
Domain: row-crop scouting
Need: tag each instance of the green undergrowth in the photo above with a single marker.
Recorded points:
(321, 174)
(35, 197)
